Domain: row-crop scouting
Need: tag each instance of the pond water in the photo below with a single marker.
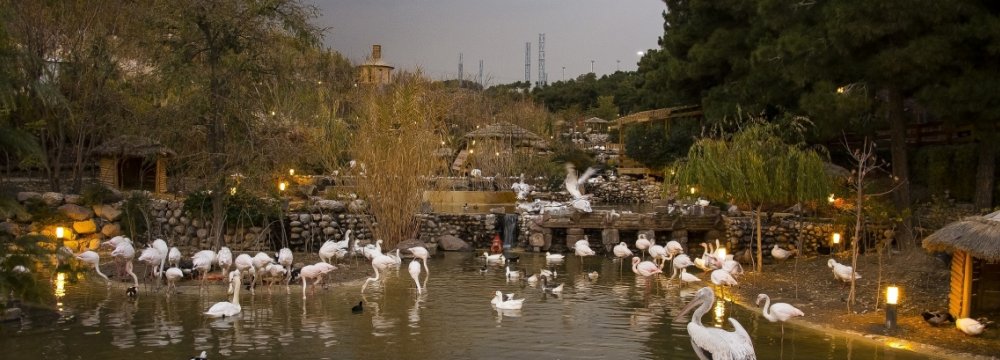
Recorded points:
(615, 317)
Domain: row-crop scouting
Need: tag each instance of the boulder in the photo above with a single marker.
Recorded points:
(111, 230)
(52, 198)
(202, 233)
(452, 243)
(108, 212)
(25, 195)
(76, 212)
(85, 227)
(72, 199)
(304, 218)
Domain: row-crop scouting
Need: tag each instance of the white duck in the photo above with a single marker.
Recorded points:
(512, 274)
(780, 254)
(841, 272)
(504, 304)
(574, 185)
(554, 257)
(970, 326)
(777, 312)
(720, 344)
(492, 258)
(228, 308)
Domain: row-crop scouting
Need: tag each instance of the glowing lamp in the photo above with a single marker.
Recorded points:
(472, 151)
(291, 172)
(892, 295)
(693, 190)
(831, 199)
(281, 186)
(836, 238)
(60, 232)
(498, 153)
(232, 190)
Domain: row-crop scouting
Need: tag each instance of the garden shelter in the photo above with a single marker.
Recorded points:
(974, 243)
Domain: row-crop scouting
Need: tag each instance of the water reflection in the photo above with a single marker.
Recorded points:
(613, 316)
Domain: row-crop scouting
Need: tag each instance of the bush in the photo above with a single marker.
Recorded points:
(135, 221)
(43, 214)
(98, 194)
(241, 208)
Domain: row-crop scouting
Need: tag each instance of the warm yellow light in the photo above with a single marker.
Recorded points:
(442, 142)
(291, 172)
(473, 142)
(60, 285)
(693, 190)
(472, 151)
(281, 186)
(841, 90)
(672, 173)
(60, 233)
(498, 153)
(232, 190)
(836, 238)
(272, 112)
(720, 313)
(831, 199)
(892, 295)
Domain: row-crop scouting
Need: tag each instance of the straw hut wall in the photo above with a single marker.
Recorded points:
(974, 243)
(132, 162)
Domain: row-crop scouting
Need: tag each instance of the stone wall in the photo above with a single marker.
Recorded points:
(784, 231)
(626, 190)
(87, 225)
(476, 229)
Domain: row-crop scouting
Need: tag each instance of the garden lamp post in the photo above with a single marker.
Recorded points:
(891, 300)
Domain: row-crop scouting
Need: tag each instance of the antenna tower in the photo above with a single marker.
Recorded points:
(460, 70)
(527, 63)
(542, 76)
(481, 74)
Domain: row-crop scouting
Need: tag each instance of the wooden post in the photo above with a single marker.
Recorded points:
(956, 286)
(967, 287)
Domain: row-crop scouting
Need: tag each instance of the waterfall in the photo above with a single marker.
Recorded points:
(509, 230)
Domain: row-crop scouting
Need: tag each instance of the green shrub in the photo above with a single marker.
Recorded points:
(198, 204)
(98, 194)
(43, 214)
(134, 220)
(241, 208)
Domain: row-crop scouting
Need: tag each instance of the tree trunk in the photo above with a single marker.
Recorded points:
(760, 236)
(900, 166)
(986, 168)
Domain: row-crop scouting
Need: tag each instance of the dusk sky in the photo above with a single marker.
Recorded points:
(430, 34)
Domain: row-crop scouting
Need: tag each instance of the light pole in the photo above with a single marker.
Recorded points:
(564, 73)
(591, 66)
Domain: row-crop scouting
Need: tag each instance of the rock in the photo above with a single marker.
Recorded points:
(179, 229)
(202, 233)
(295, 224)
(94, 244)
(85, 227)
(357, 206)
(536, 239)
(304, 218)
(76, 212)
(52, 198)
(72, 245)
(452, 243)
(111, 230)
(329, 231)
(25, 195)
(72, 199)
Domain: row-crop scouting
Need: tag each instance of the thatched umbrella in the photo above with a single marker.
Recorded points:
(976, 235)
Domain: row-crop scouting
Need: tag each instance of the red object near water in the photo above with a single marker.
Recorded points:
(497, 246)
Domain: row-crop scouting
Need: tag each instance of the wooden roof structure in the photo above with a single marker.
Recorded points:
(974, 243)
(977, 235)
(132, 146)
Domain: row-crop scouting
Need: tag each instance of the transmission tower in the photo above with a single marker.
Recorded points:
(542, 76)
(481, 74)
(527, 63)
(460, 70)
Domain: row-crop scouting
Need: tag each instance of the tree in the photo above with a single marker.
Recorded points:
(219, 65)
(398, 129)
(606, 108)
(660, 143)
(755, 166)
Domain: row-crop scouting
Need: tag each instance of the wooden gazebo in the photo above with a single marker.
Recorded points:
(131, 162)
(974, 243)
(501, 135)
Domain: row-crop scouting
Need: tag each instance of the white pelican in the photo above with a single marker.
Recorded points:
(225, 259)
(94, 259)
(174, 256)
(228, 308)
(780, 254)
(173, 274)
(414, 270)
(970, 326)
(380, 261)
(574, 186)
(421, 253)
(688, 277)
(502, 304)
(841, 272)
(642, 243)
(554, 257)
(720, 344)
(778, 312)
(644, 268)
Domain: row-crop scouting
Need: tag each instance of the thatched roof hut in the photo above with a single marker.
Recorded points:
(505, 131)
(595, 120)
(974, 243)
(130, 162)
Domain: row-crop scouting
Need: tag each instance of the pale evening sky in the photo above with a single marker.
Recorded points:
(430, 34)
